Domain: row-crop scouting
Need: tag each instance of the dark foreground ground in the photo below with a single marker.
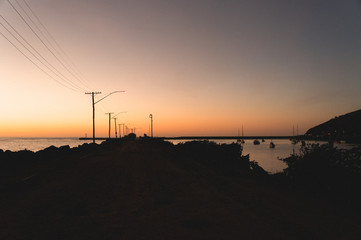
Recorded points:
(153, 190)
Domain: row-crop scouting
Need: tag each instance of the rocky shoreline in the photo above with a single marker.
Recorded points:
(151, 189)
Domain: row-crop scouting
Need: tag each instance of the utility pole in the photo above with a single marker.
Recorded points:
(151, 124)
(93, 104)
(115, 126)
(120, 132)
(114, 117)
(109, 121)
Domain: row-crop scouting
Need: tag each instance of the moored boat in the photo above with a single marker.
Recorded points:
(240, 140)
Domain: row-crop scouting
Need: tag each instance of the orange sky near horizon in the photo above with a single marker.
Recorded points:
(201, 67)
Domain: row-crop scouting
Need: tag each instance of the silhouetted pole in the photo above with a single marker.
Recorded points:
(115, 126)
(120, 132)
(109, 121)
(151, 124)
(93, 104)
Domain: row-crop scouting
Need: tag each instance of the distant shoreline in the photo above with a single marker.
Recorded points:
(204, 137)
(298, 138)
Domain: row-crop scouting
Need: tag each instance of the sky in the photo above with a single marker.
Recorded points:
(202, 67)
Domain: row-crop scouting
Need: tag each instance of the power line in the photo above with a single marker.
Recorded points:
(77, 72)
(68, 82)
(64, 78)
(35, 63)
(21, 7)
(15, 9)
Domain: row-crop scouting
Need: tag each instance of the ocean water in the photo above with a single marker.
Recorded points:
(36, 144)
(269, 158)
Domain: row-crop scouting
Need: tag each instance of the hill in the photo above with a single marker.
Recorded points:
(345, 127)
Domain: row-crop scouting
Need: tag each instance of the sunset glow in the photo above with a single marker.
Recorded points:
(200, 67)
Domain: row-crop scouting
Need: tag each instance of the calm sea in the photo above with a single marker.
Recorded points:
(267, 158)
(36, 144)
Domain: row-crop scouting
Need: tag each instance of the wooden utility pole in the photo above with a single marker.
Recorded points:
(93, 104)
(115, 120)
(115, 126)
(94, 93)
(110, 117)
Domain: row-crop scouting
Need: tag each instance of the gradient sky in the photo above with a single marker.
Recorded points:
(200, 67)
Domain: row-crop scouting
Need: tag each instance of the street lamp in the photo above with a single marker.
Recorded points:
(93, 104)
(110, 114)
(115, 122)
(151, 124)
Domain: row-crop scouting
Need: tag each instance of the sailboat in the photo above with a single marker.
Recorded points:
(240, 140)
(293, 140)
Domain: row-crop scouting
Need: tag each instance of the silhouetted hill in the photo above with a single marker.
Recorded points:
(345, 127)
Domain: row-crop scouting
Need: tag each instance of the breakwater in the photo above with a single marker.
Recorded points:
(206, 137)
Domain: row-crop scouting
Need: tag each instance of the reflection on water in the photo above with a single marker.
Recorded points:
(36, 144)
(268, 158)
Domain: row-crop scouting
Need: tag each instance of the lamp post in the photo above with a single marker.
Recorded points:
(123, 129)
(110, 114)
(151, 124)
(93, 104)
(115, 120)
(115, 127)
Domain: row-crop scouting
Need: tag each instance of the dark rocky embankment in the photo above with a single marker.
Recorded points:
(151, 189)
